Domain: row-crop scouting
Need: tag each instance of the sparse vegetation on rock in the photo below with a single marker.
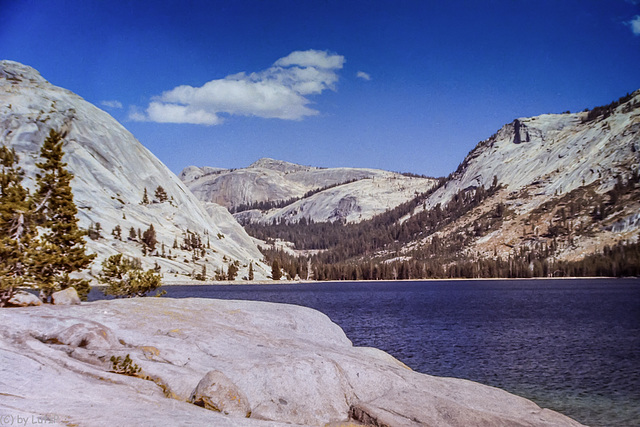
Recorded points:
(124, 366)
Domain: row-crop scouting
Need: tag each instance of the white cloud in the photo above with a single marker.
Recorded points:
(112, 104)
(363, 75)
(172, 113)
(635, 25)
(312, 58)
(278, 92)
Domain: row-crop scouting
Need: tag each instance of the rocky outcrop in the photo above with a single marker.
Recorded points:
(278, 364)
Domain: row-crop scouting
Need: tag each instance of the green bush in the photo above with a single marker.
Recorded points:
(125, 278)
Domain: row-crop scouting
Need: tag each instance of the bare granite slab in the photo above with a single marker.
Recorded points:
(277, 364)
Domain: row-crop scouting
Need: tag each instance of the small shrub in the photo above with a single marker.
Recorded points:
(124, 366)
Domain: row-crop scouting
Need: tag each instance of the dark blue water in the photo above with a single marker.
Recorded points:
(569, 345)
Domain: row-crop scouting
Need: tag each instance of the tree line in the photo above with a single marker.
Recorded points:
(377, 249)
(605, 111)
(266, 205)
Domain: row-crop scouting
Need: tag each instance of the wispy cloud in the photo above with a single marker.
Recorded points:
(363, 75)
(635, 25)
(112, 104)
(280, 91)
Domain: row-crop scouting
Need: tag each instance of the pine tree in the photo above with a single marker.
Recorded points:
(145, 197)
(16, 233)
(61, 249)
(276, 274)
(232, 271)
(117, 232)
(161, 194)
(251, 270)
(203, 273)
(149, 238)
(94, 231)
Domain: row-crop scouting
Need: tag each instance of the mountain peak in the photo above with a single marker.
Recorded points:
(278, 165)
(16, 72)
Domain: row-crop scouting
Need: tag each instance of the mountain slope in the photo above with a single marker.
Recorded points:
(556, 153)
(537, 198)
(289, 192)
(552, 167)
(112, 170)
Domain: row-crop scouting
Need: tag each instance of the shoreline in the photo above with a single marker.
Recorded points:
(305, 282)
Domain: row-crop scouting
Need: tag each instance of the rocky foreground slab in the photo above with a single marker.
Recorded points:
(161, 361)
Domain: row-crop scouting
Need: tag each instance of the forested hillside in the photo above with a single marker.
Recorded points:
(581, 218)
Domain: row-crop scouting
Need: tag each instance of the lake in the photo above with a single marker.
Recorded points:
(569, 345)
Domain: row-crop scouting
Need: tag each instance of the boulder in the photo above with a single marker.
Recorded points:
(89, 335)
(67, 296)
(24, 299)
(218, 393)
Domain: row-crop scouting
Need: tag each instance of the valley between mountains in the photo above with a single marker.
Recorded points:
(552, 195)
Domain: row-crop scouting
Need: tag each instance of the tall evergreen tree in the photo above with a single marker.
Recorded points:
(61, 248)
(251, 270)
(276, 274)
(232, 271)
(149, 238)
(145, 197)
(16, 233)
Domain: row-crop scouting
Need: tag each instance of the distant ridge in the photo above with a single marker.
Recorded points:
(269, 190)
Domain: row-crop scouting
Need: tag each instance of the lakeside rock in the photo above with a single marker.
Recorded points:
(280, 364)
(24, 299)
(67, 296)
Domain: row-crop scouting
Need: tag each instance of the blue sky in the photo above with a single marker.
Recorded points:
(408, 86)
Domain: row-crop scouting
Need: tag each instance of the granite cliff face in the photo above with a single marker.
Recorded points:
(557, 172)
(112, 170)
(224, 363)
(555, 153)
